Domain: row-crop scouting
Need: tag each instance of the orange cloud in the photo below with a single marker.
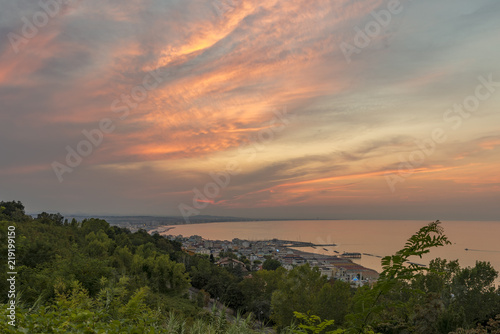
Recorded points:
(490, 144)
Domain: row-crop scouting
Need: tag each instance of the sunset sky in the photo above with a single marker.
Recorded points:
(299, 109)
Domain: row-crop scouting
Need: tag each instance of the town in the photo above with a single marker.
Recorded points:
(252, 255)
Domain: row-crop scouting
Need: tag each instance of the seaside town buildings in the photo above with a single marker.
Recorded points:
(255, 253)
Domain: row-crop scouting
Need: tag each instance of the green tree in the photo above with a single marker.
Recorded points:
(167, 275)
(94, 225)
(50, 218)
(474, 296)
(13, 211)
(122, 259)
(271, 264)
(99, 244)
(296, 292)
(333, 300)
(370, 303)
(257, 291)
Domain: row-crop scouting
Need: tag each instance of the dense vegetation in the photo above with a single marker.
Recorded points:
(89, 277)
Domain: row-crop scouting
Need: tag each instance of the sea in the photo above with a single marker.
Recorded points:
(471, 240)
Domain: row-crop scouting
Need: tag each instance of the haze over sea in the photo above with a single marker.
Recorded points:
(376, 237)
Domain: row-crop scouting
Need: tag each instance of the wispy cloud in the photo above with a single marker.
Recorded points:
(222, 73)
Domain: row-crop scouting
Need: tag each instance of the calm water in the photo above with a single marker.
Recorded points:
(364, 236)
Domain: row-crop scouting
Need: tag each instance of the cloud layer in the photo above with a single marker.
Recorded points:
(188, 87)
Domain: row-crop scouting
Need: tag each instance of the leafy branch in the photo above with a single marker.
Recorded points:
(395, 272)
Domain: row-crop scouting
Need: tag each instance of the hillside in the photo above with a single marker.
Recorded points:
(89, 277)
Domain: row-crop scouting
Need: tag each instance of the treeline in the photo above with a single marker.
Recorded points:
(91, 277)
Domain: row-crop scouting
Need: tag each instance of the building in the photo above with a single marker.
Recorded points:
(204, 251)
(231, 263)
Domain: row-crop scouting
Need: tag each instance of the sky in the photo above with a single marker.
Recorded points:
(293, 109)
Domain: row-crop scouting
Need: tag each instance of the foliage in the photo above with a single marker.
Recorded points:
(313, 324)
(303, 289)
(75, 312)
(408, 298)
(369, 302)
(492, 327)
(50, 218)
(257, 292)
(13, 211)
(271, 264)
